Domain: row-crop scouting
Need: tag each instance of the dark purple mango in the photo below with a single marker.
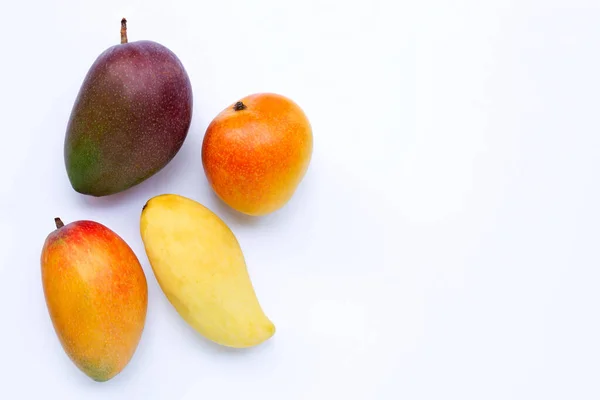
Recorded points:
(130, 118)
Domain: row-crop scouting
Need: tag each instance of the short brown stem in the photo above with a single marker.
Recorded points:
(239, 106)
(123, 31)
(58, 222)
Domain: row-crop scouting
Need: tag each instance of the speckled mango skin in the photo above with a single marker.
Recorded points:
(97, 296)
(255, 156)
(130, 118)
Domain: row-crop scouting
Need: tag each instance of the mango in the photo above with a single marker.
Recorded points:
(256, 152)
(201, 269)
(96, 294)
(130, 118)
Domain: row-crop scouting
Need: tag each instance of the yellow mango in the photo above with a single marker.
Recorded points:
(199, 265)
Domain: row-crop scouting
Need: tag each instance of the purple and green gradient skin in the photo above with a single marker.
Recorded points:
(130, 118)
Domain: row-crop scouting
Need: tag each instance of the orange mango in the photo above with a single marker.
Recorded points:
(256, 152)
(96, 294)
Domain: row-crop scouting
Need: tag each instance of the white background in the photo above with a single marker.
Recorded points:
(443, 245)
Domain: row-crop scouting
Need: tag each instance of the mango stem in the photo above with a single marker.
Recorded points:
(239, 106)
(58, 222)
(123, 31)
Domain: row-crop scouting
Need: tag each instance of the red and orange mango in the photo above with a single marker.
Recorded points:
(256, 152)
(97, 296)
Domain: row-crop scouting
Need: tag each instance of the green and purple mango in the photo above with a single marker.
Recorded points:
(131, 117)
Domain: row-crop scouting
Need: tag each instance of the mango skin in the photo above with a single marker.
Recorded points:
(130, 118)
(200, 267)
(97, 296)
(256, 152)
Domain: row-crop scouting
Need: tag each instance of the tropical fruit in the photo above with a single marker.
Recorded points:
(256, 152)
(130, 118)
(200, 267)
(96, 294)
